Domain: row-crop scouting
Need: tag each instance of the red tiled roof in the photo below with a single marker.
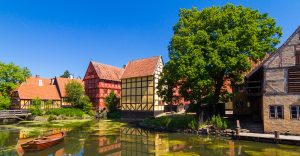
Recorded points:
(61, 82)
(141, 67)
(31, 90)
(108, 72)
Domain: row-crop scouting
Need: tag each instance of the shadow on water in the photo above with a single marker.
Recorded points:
(115, 138)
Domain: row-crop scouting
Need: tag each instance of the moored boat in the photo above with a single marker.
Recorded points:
(43, 142)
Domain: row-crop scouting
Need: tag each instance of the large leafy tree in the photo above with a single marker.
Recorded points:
(11, 76)
(212, 45)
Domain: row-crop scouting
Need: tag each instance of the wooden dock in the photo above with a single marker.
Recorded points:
(269, 138)
(14, 114)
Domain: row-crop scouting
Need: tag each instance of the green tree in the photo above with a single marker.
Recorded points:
(76, 96)
(4, 102)
(66, 74)
(212, 45)
(35, 107)
(112, 102)
(11, 76)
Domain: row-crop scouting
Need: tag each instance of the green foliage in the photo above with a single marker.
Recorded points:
(212, 45)
(4, 102)
(66, 74)
(48, 104)
(11, 76)
(219, 122)
(35, 107)
(69, 112)
(193, 124)
(111, 102)
(76, 96)
(173, 122)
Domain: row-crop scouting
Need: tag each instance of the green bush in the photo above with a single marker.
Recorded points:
(219, 122)
(35, 108)
(111, 102)
(173, 122)
(68, 112)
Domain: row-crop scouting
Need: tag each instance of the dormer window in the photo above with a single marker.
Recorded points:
(297, 55)
(40, 83)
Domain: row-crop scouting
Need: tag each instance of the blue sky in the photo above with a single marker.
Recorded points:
(49, 37)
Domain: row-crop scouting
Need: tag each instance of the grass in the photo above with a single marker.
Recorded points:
(173, 122)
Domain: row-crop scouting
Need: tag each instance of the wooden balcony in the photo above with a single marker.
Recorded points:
(254, 88)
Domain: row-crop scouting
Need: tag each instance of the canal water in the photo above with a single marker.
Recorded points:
(113, 138)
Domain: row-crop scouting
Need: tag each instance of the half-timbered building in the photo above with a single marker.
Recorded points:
(101, 79)
(35, 88)
(139, 83)
(273, 88)
(43, 89)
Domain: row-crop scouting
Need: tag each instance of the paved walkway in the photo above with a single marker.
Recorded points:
(271, 136)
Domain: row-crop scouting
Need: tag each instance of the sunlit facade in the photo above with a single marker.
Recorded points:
(139, 97)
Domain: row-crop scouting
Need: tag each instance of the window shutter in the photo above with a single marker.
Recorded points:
(294, 80)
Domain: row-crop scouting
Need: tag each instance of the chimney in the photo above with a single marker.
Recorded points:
(52, 81)
(124, 66)
(37, 76)
(40, 82)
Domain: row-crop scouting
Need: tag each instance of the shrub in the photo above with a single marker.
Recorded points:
(219, 122)
(69, 112)
(193, 124)
(48, 104)
(35, 108)
(111, 102)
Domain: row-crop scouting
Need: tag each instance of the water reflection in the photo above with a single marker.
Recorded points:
(116, 139)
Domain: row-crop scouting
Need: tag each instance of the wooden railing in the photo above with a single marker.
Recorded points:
(13, 113)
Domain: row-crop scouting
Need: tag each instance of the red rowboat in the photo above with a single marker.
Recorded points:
(43, 142)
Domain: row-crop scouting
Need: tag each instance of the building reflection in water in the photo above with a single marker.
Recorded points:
(136, 142)
(123, 141)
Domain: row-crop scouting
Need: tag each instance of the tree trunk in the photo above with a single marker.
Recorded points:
(218, 86)
(199, 114)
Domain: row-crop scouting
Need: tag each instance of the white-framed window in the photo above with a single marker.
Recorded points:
(276, 112)
(295, 111)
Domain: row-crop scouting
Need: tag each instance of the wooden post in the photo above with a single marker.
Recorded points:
(238, 124)
(276, 133)
(237, 132)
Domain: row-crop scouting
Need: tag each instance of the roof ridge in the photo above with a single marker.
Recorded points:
(144, 58)
(106, 64)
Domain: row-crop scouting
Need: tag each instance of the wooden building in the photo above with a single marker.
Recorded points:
(43, 89)
(139, 82)
(100, 80)
(33, 88)
(273, 88)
